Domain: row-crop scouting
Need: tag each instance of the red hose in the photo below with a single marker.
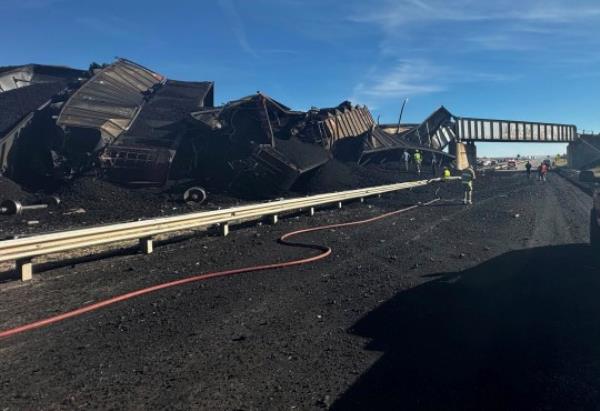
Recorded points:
(325, 251)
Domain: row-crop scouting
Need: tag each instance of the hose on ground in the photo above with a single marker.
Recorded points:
(325, 251)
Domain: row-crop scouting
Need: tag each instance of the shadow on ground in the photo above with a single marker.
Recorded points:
(520, 331)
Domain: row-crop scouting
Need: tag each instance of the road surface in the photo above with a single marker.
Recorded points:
(490, 306)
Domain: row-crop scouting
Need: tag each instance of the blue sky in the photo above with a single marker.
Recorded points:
(529, 59)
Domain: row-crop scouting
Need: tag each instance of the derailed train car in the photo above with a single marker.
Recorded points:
(135, 127)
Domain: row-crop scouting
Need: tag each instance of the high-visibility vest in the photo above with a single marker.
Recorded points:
(467, 178)
(446, 174)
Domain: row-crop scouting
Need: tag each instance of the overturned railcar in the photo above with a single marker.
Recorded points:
(248, 145)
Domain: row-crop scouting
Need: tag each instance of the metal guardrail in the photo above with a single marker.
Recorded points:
(22, 250)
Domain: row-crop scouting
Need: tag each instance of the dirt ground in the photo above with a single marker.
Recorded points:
(489, 306)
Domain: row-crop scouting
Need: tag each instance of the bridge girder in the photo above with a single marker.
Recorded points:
(442, 127)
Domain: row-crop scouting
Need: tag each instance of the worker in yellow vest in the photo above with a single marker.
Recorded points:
(446, 174)
(467, 177)
(418, 159)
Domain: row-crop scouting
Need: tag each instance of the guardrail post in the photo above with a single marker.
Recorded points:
(273, 219)
(146, 245)
(25, 269)
(225, 229)
(311, 211)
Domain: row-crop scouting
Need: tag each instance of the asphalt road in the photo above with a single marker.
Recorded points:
(490, 306)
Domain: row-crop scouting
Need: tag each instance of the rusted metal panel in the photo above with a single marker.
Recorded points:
(111, 99)
(350, 122)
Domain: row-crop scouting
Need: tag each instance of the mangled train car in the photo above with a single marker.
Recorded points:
(111, 121)
(133, 126)
(129, 116)
(250, 144)
(27, 103)
(350, 133)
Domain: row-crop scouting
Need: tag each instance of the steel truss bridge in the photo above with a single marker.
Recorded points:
(441, 128)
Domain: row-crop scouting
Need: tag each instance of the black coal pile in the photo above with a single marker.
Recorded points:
(9, 190)
(90, 201)
(16, 104)
(94, 194)
(336, 175)
(117, 203)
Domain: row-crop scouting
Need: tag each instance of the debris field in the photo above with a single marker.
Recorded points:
(119, 142)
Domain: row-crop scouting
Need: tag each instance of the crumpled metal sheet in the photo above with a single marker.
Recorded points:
(377, 140)
(426, 133)
(345, 123)
(111, 99)
(328, 126)
(22, 76)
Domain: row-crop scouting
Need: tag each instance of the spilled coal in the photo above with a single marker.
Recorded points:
(89, 201)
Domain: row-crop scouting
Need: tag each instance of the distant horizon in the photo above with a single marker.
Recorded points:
(524, 149)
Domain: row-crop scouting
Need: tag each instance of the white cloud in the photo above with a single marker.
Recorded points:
(435, 44)
(471, 25)
(393, 14)
(237, 25)
(405, 78)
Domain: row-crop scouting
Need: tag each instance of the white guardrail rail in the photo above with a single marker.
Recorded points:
(23, 250)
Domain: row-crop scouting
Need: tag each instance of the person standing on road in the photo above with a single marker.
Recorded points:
(406, 158)
(418, 159)
(528, 168)
(434, 165)
(466, 178)
(543, 171)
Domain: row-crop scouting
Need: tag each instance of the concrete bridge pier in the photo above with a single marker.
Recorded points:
(465, 153)
(471, 153)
